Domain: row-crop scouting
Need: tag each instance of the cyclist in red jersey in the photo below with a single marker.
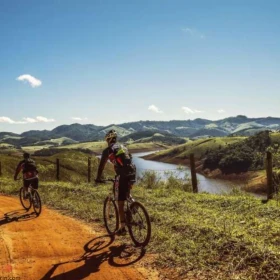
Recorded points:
(124, 168)
(29, 171)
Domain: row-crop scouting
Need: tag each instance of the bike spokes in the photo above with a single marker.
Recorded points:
(37, 205)
(139, 225)
(111, 216)
(25, 198)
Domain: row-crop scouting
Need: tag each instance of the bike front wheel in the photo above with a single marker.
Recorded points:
(37, 205)
(139, 226)
(25, 199)
(111, 215)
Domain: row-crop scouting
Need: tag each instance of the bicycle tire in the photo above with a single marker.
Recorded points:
(139, 222)
(21, 198)
(111, 220)
(38, 208)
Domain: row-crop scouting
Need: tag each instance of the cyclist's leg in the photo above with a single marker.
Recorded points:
(35, 183)
(123, 190)
(25, 185)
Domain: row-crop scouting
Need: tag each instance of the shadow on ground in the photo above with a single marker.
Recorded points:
(17, 216)
(97, 251)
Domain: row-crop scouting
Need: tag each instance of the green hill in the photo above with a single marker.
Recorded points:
(153, 136)
(197, 128)
(240, 157)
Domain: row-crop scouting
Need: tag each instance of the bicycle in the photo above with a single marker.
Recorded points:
(30, 198)
(136, 216)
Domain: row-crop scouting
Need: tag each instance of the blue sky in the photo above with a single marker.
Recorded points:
(104, 62)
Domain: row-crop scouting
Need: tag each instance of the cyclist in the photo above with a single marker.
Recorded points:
(124, 168)
(29, 171)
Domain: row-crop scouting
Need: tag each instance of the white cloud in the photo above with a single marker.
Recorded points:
(9, 120)
(6, 120)
(43, 119)
(220, 111)
(30, 120)
(38, 119)
(154, 109)
(25, 120)
(79, 119)
(187, 110)
(193, 32)
(30, 79)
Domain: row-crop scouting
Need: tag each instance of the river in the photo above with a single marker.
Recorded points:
(204, 184)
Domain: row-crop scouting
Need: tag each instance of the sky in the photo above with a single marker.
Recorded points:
(108, 62)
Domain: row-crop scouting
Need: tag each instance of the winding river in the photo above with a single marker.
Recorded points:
(162, 169)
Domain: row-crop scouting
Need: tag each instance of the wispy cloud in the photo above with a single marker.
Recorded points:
(43, 119)
(30, 120)
(26, 120)
(9, 120)
(193, 32)
(220, 111)
(155, 109)
(188, 111)
(34, 82)
(79, 119)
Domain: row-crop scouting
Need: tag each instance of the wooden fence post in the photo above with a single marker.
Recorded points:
(89, 169)
(269, 175)
(57, 169)
(193, 173)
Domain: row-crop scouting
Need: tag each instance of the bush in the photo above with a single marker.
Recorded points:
(240, 157)
(149, 180)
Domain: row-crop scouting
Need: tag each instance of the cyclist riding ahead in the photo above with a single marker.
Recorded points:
(29, 171)
(124, 168)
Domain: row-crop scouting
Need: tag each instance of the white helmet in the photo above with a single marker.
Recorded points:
(110, 135)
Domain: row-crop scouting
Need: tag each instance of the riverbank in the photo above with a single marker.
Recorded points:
(251, 181)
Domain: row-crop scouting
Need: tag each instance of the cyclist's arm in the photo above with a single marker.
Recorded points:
(18, 169)
(103, 161)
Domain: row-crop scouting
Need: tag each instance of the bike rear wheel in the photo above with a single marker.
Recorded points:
(37, 205)
(111, 215)
(139, 226)
(25, 199)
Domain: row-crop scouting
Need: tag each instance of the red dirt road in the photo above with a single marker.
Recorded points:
(54, 246)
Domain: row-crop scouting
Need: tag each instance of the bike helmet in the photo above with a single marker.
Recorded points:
(26, 155)
(110, 135)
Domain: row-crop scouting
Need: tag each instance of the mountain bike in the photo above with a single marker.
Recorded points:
(30, 197)
(136, 216)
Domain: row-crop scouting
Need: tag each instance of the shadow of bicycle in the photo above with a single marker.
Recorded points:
(97, 251)
(17, 216)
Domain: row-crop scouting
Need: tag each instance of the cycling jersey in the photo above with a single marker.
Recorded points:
(27, 174)
(122, 160)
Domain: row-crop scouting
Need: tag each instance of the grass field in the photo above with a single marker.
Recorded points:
(73, 166)
(33, 149)
(197, 147)
(93, 146)
(96, 147)
(194, 236)
(5, 145)
(275, 137)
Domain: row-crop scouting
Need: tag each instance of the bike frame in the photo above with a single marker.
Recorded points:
(112, 193)
(131, 210)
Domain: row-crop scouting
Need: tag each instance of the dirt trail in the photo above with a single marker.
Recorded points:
(54, 246)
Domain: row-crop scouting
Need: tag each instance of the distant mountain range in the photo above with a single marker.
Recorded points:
(141, 130)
